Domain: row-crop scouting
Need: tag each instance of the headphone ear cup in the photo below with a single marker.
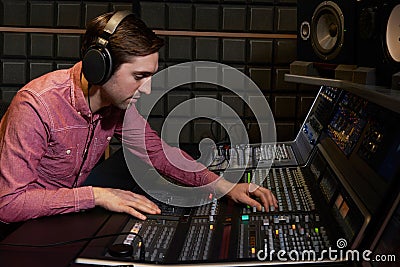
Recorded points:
(97, 65)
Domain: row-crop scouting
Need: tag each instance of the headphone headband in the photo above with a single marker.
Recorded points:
(97, 61)
(111, 26)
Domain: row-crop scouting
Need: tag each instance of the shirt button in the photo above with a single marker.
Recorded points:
(68, 151)
(79, 112)
(109, 138)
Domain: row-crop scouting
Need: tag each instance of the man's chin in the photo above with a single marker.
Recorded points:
(123, 106)
(128, 105)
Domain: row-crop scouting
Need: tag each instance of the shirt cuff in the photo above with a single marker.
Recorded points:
(208, 177)
(84, 198)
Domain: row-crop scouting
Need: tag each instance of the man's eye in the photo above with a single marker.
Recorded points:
(138, 77)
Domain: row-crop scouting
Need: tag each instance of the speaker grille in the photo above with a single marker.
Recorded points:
(327, 28)
(393, 34)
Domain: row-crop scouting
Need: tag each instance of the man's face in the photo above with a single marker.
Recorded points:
(130, 80)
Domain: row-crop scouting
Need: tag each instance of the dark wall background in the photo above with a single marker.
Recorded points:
(256, 37)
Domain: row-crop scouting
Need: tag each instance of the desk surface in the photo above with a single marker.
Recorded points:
(52, 229)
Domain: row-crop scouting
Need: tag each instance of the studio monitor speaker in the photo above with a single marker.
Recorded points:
(326, 31)
(378, 37)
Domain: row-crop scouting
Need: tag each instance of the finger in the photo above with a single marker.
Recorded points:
(264, 199)
(272, 198)
(138, 204)
(245, 199)
(267, 198)
(134, 213)
(148, 202)
(143, 200)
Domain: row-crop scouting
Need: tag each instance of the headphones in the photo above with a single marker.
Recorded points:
(97, 61)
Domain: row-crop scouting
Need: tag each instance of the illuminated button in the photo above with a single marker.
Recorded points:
(277, 231)
(211, 227)
(253, 251)
(316, 230)
(245, 217)
(293, 227)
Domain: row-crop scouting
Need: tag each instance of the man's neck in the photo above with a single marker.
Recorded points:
(93, 93)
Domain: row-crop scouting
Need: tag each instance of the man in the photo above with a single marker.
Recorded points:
(59, 125)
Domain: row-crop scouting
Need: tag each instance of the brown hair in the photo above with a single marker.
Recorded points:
(131, 38)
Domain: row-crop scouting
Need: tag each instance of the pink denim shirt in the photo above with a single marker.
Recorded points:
(43, 136)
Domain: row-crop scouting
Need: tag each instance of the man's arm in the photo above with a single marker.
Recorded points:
(141, 140)
(23, 142)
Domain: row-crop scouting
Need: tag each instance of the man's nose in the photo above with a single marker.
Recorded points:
(145, 88)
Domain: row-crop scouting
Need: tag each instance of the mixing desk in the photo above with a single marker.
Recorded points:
(336, 185)
(331, 184)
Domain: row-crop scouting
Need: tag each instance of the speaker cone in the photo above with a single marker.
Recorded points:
(393, 34)
(327, 30)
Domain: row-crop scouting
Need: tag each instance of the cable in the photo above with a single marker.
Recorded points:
(219, 163)
(88, 141)
(142, 247)
(225, 159)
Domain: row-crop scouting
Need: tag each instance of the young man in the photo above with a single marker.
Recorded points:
(58, 126)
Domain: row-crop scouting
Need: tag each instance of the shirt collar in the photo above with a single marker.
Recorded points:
(77, 97)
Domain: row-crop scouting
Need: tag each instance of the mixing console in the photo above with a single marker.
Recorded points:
(248, 156)
(331, 183)
(222, 230)
(289, 187)
(284, 232)
(348, 122)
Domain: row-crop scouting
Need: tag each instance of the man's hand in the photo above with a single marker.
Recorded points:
(243, 192)
(124, 201)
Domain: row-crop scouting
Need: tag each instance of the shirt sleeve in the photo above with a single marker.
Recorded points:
(139, 139)
(23, 141)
